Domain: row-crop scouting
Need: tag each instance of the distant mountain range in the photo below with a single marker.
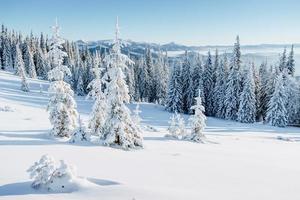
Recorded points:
(251, 53)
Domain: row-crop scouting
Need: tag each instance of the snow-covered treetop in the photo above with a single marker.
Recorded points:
(56, 55)
(116, 57)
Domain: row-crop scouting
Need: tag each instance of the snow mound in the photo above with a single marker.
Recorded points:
(6, 109)
(289, 139)
(55, 177)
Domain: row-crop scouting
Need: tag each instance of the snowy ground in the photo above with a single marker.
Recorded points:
(240, 161)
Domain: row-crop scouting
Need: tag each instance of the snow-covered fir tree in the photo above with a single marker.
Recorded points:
(198, 78)
(99, 109)
(161, 76)
(257, 86)
(263, 99)
(148, 77)
(187, 81)
(214, 77)
(28, 61)
(51, 176)
(42, 65)
(176, 127)
(138, 78)
(247, 105)
(21, 69)
(136, 116)
(174, 100)
(197, 121)
(220, 87)
(80, 134)
(233, 86)
(80, 86)
(129, 73)
(282, 61)
(173, 133)
(208, 83)
(41, 172)
(290, 65)
(292, 89)
(62, 106)
(119, 128)
(277, 113)
(6, 59)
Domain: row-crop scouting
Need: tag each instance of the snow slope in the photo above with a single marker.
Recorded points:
(239, 161)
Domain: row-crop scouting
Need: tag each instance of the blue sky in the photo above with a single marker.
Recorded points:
(191, 22)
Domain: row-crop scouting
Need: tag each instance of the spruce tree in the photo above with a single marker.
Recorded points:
(161, 78)
(62, 106)
(174, 101)
(264, 76)
(28, 61)
(247, 105)
(41, 64)
(283, 61)
(233, 86)
(290, 65)
(197, 121)
(277, 113)
(208, 82)
(21, 69)
(293, 95)
(6, 49)
(257, 86)
(220, 86)
(99, 109)
(187, 81)
(198, 79)
(148, 77)
(119, 128)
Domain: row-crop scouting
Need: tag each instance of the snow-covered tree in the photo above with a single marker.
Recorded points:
(197, 121)
(41, 172)
(174, 100)
(161, 77)
(148, 89)
(233, 86)
(119, 128)
(24, 84)
(282, 61)
(5, 49)
(198, 78)
(129, 73)
(28, 61)
(47, 174)
(62, 106)
(293, 96)
(220, 87)
(99, 109)
(264, 78)
(176, 127)
(247, 105)
(277, 113)
(21, 69)
(290, 65)
(208, 83)
(80, 87)
(80, 134)
(172, 127)
(136, 115)
(187, 84)
(42, 64)
(214, 78)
